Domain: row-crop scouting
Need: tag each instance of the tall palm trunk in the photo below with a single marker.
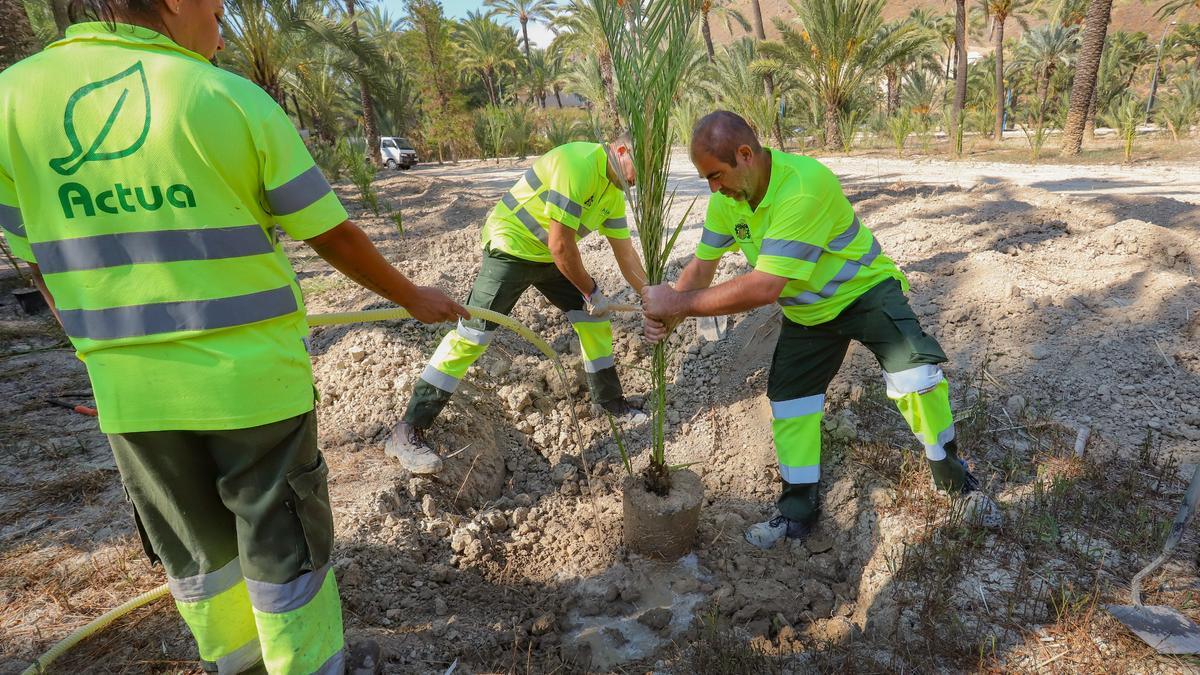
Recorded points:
(370, 127)
(1083, 89)
(525, 36)
(610, 92)
(833, 130)
(558, 96)
(16, 36)
(704, 28)
(998, 132)
(960, 75)
(760, 34)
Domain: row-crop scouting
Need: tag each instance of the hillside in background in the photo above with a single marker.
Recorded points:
(1130, 15)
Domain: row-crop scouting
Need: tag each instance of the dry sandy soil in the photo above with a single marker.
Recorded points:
(1064, 296)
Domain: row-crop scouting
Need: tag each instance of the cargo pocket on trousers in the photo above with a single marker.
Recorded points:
(310, 489)
(922, 348)
(141, 529)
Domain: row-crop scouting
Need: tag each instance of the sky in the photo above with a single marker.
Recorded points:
(539, 34)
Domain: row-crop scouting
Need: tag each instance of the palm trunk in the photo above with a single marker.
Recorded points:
(16, 36)
(1044, 95)
(525, 36)
(960, 75)
(299, 112)
(704, 29)
(610, 93)
(893, 91)
(998, 132)
(760, 34)
(62, 16)
(558, 96)
(370, 126)
(1083, 89)
(833, 131)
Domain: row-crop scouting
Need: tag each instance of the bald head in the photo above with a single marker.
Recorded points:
(721, 133)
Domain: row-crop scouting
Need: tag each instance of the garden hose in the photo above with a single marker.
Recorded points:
(64, 645)
(43, 662)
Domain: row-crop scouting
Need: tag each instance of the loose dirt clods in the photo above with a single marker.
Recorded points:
(1056, 310)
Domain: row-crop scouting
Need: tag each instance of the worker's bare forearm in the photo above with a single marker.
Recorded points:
(351, 252)
(629, 262)
(40, 283)
(740, 294)
(567, 259)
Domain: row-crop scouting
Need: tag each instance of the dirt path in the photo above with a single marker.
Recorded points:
(1058, 307)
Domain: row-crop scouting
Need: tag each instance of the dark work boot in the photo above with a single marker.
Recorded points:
(951, 474)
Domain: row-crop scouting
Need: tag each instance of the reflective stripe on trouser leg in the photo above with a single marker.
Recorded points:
(596, 344)
(452, 359)
(796, 425)
(216, 607)
(458, 350)
(300, 623)
(923, 397)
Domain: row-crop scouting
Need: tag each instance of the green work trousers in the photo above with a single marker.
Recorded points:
(808, 357)
(240, 520)
(502, 280)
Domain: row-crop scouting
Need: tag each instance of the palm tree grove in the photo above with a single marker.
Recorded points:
(599, 336)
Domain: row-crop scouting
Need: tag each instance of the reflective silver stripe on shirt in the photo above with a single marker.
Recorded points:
(798, 407)
(288, 597)
(846, 273)
(563, 202)
(167, 317)
(240, 659)
(206, 585)
(597, 365)
(846, 238)
(787, 248)
(131, 248)
(526, 218)
(334, 665)
(10, 219)
(299, 192)
(531, 177)
(716, 239)
(616, 224)
(583, 231)
(435, 377)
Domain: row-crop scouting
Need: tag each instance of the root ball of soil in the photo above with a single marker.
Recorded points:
(662, 527)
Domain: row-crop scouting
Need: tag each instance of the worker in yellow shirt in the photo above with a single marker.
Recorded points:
(811, 255)
(529, 239)
(144, 187)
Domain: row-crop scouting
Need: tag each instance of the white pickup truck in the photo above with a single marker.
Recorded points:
(397, 153)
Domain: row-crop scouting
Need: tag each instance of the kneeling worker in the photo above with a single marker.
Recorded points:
(529, 239)
(812, 255)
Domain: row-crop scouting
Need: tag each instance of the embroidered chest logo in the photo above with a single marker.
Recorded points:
(588, 203)
(741, 232)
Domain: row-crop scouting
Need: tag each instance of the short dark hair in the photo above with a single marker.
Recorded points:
(108, 10)
(721, 133)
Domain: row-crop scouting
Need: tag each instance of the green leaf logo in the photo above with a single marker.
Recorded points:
(110, 117)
